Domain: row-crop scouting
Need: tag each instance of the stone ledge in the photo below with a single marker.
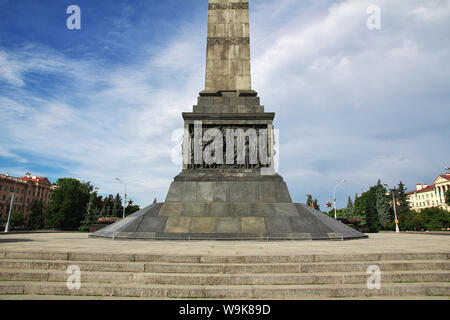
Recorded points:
(267, 116)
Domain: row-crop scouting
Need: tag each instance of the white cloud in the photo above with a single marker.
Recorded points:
(349, 101)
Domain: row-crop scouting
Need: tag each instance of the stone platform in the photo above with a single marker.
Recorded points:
(228, 221)
(412, 266)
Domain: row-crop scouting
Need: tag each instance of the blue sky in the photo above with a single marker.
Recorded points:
(103, 101)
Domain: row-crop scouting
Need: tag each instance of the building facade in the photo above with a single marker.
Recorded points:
(428, 196)
(25, 189)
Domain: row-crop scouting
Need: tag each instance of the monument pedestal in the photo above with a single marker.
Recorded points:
(228, 188)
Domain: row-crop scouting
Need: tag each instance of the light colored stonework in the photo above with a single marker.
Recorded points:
(228, 49)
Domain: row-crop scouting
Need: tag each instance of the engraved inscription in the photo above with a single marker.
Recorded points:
(228, 41)
(227, 6)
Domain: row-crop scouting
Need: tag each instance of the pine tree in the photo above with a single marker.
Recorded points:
(91, 214)
(349, 209)
(103, 211)
(316, 204)
(313, 203)
(372, 219)
(117, 210)
(404, 214)
(309, 201)
(383, 208)
(109, 207)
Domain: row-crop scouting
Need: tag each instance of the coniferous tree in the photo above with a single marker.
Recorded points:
(91, 214)
(109, 207)
(316, 204)
(404, 214)
(313, 203)
(103, 211)
(117, 210)
(372, 220)
(383, 207)
(349, 208)
(309, 200)
(447, 197)
(359, 207)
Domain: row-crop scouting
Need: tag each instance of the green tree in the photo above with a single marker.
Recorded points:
(309, 200)
(340, 213)
(372, 219)
(404, 214)
(131, 209)
(91, 214)
(383, 207)
(447, 197)
(435, 218)
(349, 209)
(312, 203)
(359, 208)
(103, 212)
(117, 210)
(16, 220)
(36, 218)
(68, 205)
(109, 206)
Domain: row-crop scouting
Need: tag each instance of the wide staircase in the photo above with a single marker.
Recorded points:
(225, 277)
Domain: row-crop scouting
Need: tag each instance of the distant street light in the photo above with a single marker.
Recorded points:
(447, 168)
(125, 194)
(334, 196)
(12, 202)
(395, 210)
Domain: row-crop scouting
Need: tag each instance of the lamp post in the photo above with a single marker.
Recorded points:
(397, 229)
(125, 194)
(334, 197)
(12, 202)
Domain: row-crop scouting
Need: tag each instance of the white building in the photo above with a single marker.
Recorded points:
(427, 196)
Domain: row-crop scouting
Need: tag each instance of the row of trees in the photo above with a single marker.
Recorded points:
(375, 208)
(73, 207)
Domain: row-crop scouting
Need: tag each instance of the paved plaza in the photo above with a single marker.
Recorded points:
(79, 242)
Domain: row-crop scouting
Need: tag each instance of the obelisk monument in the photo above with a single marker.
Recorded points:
(228, 188)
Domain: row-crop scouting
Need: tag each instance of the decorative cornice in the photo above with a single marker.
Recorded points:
(227, 6)
(228, 41)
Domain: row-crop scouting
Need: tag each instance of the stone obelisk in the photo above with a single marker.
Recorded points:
(228, 48)
(228, 188)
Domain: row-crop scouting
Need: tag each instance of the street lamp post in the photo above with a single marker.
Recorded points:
(397, 229)
(334, 197)
(12, 202)
(125, 194)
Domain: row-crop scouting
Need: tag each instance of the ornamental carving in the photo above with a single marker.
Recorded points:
(228, 6)
(228, 41)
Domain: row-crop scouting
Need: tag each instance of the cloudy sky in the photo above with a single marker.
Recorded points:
(103, 101)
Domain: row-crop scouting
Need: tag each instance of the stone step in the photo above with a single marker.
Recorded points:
(225, 279)
(216, 268)
(112, 257)
(228, 292)
(47, 297)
